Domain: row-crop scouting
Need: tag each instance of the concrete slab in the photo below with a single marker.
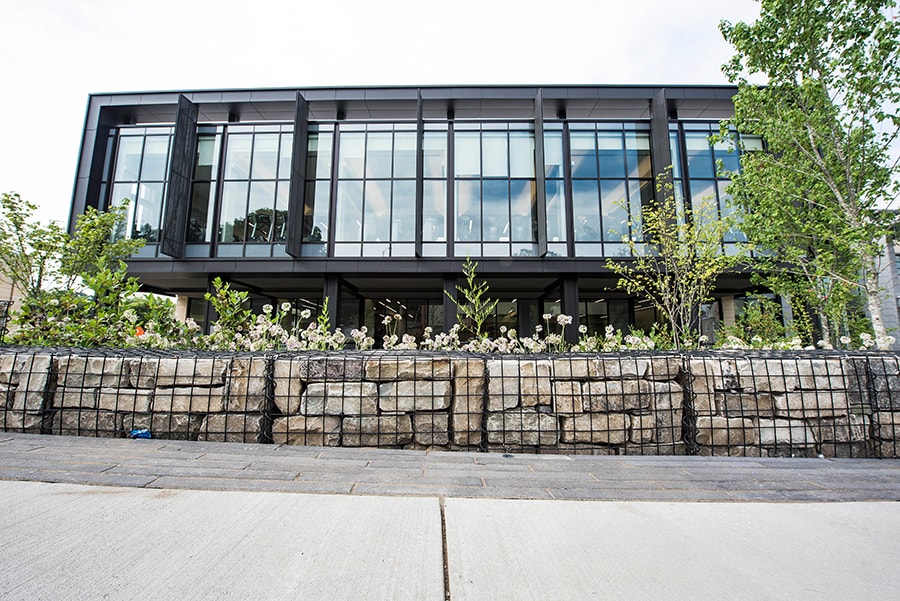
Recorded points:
(547, 550)
(64, 541)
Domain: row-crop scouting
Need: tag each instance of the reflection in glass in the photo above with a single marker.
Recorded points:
(315, 212)
(200, 216)
(352, 155)
(405, 155)
(553, 154)
(265, 156)
(699, 155)
(467, 154)
(586, 210)
(378, 155)
(434, 146)
(610, 153)
(495, 210)
(637, 151)
(494, 159)
(128, 162)
(206, 148)
(378, 211)
(285, 155)
(234, 210)
(523, 210)
(156, 151)
(468, 214)
(404, 207)
(556, 211)
(319, 157)
(435, 211)
(614, 199)
(237, 156)
(584, 154)
(260, 217)
(521, 154)
(348, 211)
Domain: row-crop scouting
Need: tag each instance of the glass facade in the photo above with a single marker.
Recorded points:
(139, 177)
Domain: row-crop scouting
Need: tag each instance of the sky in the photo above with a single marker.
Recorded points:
(54, 53)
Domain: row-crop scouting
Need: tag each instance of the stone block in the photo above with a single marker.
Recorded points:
(573, 368)
(522, 427)
(86, 422)
(21, 421)
(847, 450)
(621, 366)
(389, 367)
(156, 372)
(785, 433)
(595, 428)
(709, 374)
(321, 368)
(75, 397)
(125, 399)
(659, 427)
(189, 399)
(75, 371)
(851, 428)
(373, 431)
(246, 385)
(726, 432)
(886, 391)
(467, 405)
(409, 395)
(666, 395)
(340, 398)
(167, 426)
(745, 404)
(32, 376)
(311, 431)
(664, 368)
(232, 427)
(886, 425)
(288, 386)
(431, 428)
(811, 403)
(887, 449)
(617, 395)
(567, 397)
(518, 382)
(705, 403)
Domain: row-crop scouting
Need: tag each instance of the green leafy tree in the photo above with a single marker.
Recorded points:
(677, 265)
(476, 306)
(29, 251)
(829, 114)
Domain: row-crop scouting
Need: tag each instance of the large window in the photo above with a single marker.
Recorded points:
(495, 190)
(203, 188)
(255, 187)
(139, 177)
(708, 169)
(612, 180)
(375, 208)
(316, 209)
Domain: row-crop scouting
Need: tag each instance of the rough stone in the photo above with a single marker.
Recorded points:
(311, 431)
(21, 421)
(76, 371)
(409, 395)
(658, 427)
(567, 397)
(595, 428)
(522, 427)
(167, 426)
(33, 376)
(340, 398)
(327, 369)
(664, 368)
(125, 399)
(75, 397)
(193, 399)
(810, 403)
(847, 450)
(376, 431)
(711, 374)
(886, 389)
(785, 432)
(155, 372)
(513, 382)
(666, 395)
(573, 368)
(726, 432)
(852, 428)
(887, 425)
(887, 449)
(431, 428)
(745, 404)
(86, 422)
(467, 405)
(232, 427)
(617, 395)
(407, 368)
(621, 366)
(246, 387)
(705, 402)
(288, 385)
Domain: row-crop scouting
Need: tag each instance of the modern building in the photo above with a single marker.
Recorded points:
(374, 197)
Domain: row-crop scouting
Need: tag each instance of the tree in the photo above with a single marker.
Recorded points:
(816, 200)
(476, 307)
(677, 265)
(29, 251)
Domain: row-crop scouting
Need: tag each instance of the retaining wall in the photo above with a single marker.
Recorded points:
(799, 404)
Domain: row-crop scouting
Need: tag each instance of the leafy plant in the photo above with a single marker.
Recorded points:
(476, 307)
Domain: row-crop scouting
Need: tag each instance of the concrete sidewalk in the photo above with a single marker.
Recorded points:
(399, 525)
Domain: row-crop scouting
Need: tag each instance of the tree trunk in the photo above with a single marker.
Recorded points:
(873, 303)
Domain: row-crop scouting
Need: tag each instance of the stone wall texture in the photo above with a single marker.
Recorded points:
(784, 404)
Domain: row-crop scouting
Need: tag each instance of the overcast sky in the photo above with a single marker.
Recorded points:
(53, 53)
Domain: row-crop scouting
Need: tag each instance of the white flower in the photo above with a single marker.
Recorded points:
(563, 319)
(582, 329)
(538, 329)
(704, 339)
(267, 309)
(387, 320)
(305, 313)
(845, 340)
(503, 329)
(548, 316)
(285, 306)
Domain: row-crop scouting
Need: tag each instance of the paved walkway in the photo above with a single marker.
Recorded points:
(179, 520)
(282, 468)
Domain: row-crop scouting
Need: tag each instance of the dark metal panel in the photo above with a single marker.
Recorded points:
(570, 307)
(541, 192)
(660, 154)
(449, 297)
(297, 196)
(420, 173)
(86, 192)
(178, 195)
